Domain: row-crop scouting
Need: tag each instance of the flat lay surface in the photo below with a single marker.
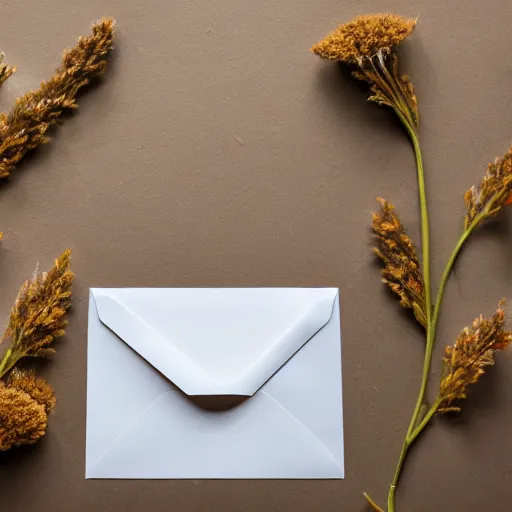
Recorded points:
(218, 152)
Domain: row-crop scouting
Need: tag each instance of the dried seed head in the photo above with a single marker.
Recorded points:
(36, 387)
(22, 419)
(364, 36)
(38, 316)
(35, 112)
(401, 270)
(494, 191)
(465, 361)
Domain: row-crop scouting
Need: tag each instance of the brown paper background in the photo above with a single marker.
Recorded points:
(151, 186)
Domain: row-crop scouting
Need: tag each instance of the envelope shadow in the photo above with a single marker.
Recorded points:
(217, 402)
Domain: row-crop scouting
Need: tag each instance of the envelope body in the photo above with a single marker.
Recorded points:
(155, 353)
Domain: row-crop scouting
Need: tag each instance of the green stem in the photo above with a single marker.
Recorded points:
(449, 266)
(428, 304)
(3, 364)
(425, 238)
(414, 430)
(425, 421)
(403, 112)
(425, 234)
(431, 328)
(409, 440)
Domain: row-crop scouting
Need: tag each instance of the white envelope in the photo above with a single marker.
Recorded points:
(152, 352)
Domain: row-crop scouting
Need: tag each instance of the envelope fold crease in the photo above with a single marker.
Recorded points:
(246, 351)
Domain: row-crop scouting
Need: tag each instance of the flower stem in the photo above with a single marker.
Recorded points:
(431, 326)
(414, 428)
(409, 440)
(425, 238)
(449, 266)
(395, 97)
(4, 362)
(425, 231)
(428, 305)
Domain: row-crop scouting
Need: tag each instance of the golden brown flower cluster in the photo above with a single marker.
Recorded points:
(364, 36)
(465, 361)
(35, 112)
(492, 192)
(401, 270)
(25, 403)
(37, 318)
(36, 387)
(22, 419)
(38, 315)
(368, 42)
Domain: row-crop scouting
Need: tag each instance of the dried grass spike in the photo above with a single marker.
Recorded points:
(493, 191)
(465, 361)
(34, 113)
(38, 315)
(397, 253)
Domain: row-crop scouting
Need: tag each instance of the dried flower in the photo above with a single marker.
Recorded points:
(368, 42)
(465, 361)
(5, 70)
(22, 419)
(494, 191)
(38, 315)
(364, 36)
(401, 270)
(35, 112)
(36, 387)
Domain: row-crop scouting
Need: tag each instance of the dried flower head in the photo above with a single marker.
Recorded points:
(368, 42)
(494, 191)
(465, 361)
(36, 387)
(401, 270)
(5, 70)
(22, 419)
(38, 315)
(364, 36)
(35, 112)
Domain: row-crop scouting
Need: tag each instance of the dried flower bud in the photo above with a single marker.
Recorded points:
(38, 315)
(364, 36)
(22, 419)
(36, 387)
(401, 270)
(494, 191)
(465, 361)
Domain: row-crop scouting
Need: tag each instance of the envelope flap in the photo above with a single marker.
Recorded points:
(216, 341)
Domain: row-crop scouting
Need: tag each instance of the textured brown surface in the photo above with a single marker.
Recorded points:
(219, 152)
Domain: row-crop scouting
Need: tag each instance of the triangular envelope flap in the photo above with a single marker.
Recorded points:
(216, 341)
